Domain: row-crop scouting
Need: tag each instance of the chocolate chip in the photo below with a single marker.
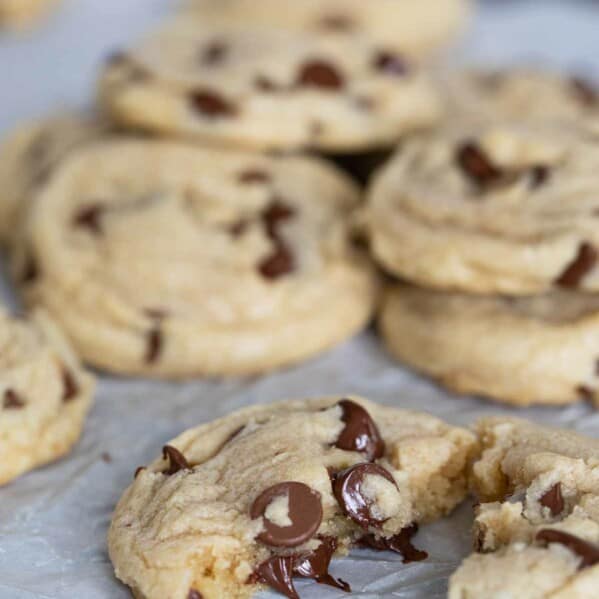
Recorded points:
(582, 264)
(476, 165)
(176, 460)
(276, 572)
(400, 543)
(347, 488)
(30, 270)
(585, 393)
(138, 470)
(315, 565)
(238, 229)
(90, 217)
(539, 176)
(279, 263)
(304, 512)
(585, 92)
(212, 104)
(255, 175)
(69, 386)
(337, 23)
(274, 215)
(554, 500)
(193, 594)
(360, 432)
(154, 345)
(588, 552)
(12, 400)
(390, 63)
(215, 53)
(264, 84)
(320, 74)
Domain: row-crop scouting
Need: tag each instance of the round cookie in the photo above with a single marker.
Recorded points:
(411, 26)
(44, 394)
(535, 350)
(494, 208)
(30, 153)
(272, 492)
(168, 260)
(514, 94)
(264, 88)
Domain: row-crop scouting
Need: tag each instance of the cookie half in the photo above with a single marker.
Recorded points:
(537, 534)
(28, 156)
(412, 26)
(254, 87)
(168, 260)
(493, 208)
(537, 350)
(44, 394)
(270, 493)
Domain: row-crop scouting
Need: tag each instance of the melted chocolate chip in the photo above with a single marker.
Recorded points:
(276, 572)
(582, 264)
(588, 552)
(69, 386)
(585, 92)
(554, 500)
(176, 460)
(320, 74)
(252, 176)
(90, 218)
(347, 488)
(539, 176)
(279, 263)
(214, 54)
(304, 512)
(390, 63)
(193, 594)
(400, 543)
(315, 565)
(212, 104)
(30, 270)
(274, 215)
(154, 345)
(360, 432)
(12, 400)
(476, 165)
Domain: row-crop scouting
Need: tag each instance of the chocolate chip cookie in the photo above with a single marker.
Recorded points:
(535, 350)
(491, 208)
(255, 87)
(537, 532)
(272, 493)
(29, 155)
(411, 26)
(168, 260)
(44, 394)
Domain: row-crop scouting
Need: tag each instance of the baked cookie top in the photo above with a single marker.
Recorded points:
(493, 208)
(28, 156)
(411, 26)
(272, 492)
(248, 86)
(44, 394)
(178, 261)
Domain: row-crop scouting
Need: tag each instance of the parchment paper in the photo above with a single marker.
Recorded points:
(53, 521)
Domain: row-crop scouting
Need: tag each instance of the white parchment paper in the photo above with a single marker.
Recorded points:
(53, 521)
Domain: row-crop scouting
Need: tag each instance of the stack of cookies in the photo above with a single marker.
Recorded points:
(494, 216)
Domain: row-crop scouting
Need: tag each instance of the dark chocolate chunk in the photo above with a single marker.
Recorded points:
(583, 263)
(360, 432)
(193, 594)
(277, 573)
(554, 500)
(176, 460)
(90, 218)
(320, 74)
(212, 104)
(585, 92)
(316, 565)
(304, 512)
(390, 63)
(279, 263)
(276, 213)
(154, 345)
(12, 400)
(215, 53)
(476, 165)
(347, 488)
(400, 543)
(588, 552)
(69, 386)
